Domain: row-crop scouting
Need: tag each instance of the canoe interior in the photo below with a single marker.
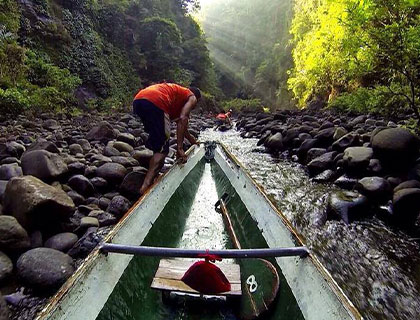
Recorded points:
(133, 298)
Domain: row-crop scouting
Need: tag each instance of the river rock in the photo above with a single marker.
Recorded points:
(305, 147)
(62, 242)
(112, 172)
(347, 206)
(407, 185)
(132, 183)
(102, 132)
(377, 189)
(127, 138)
(44, 268)
(325, 137)
(4, 310)
(125, 161)
(43, 165)
(6, 267)
(315, 153)
(110, 151)
(356, 159)
(104, 218)
(82, 185)
(12, 236)
(339, 132)
(77, 198)
(118, 206)
(395, 147)
(84, 143)
(349, 140)
(75, 149)
(143, 157)
(321, 163)
(123, 147)
(3, 185)
(43, 144)
(346, 182)
(86, 243)
(87, 222)
(406, 206)
(8, 171)
(275, 142)
(33, 202)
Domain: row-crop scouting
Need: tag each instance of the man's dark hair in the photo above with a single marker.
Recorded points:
(196, 92)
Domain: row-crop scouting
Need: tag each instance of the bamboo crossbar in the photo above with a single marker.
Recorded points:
(193, 253)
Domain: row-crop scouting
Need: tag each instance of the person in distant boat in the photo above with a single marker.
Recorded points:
(224, 118)
(157, 106)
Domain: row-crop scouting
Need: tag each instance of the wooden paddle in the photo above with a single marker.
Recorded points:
(260, 280)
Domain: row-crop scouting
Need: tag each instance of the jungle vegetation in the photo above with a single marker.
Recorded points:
(58, 55)
(354, 55)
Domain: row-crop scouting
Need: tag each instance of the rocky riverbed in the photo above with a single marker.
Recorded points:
(64, 182)
(375, 162)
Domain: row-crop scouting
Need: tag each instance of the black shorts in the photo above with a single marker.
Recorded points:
(156, 123)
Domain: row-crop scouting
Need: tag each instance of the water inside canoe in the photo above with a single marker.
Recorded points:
(189, 220)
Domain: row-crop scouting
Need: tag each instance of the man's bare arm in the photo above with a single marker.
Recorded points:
(182, 125)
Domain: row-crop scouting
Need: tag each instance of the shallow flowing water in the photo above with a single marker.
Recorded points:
(377, 267)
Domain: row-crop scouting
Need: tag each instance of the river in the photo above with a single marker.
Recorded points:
(376, 266)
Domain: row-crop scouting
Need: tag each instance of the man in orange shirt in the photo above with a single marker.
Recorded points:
(157, 106)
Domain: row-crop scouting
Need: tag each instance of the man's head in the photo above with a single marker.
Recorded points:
(196, 92)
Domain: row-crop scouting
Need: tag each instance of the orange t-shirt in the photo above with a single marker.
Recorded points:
(168, 97)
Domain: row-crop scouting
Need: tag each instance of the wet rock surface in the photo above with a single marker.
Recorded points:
(44, 269)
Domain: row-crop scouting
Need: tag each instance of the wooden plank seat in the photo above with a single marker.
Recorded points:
(170, 271)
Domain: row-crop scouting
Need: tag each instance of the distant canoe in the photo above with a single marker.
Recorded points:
(257, 222)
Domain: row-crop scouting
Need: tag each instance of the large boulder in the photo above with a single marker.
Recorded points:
(395, 147)
(102, 132)
(43, 165)
(143, 157)
(112, 172)
(33, 202)
(356, 159)
(275, 142)
(12, 236)
(406, 206)
(6, 267)
(82, 185)
(377, 189)
(62, 241)
(305, 147)
(8, 171)
(321, 163)
(132, 183)
(347, 206)
(44, 269)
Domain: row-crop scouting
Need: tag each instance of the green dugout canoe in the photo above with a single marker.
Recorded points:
(101, 283)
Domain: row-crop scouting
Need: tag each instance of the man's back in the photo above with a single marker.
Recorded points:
(169, 97)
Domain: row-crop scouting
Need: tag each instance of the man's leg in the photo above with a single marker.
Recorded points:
(155, 164)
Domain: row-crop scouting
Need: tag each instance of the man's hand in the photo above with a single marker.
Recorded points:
(181, 156)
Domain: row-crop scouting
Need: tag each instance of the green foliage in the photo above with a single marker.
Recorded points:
(245, 105)
(9, 16)
(108, 49)
(377, 100)
(340, 45)
(12, 102)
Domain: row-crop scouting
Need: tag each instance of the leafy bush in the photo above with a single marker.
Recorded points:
(379, 100)
(243, 105)
(12, 102)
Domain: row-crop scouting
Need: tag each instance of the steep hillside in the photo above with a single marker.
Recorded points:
(65, 54)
